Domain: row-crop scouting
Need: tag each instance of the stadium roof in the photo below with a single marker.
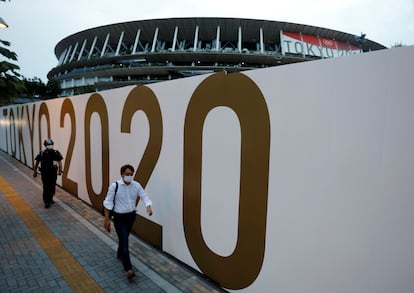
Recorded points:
(207, 28)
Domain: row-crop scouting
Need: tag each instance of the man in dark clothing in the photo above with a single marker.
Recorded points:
(50, 161)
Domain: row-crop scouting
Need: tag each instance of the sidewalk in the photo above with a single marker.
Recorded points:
(66, 249)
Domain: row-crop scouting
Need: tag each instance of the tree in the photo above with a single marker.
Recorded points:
(398, 44)
(34, 87)
(53, 88)
(10, 83)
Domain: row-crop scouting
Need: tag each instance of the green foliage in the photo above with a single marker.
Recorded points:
(10, 83)
(35, 88)
(399, 44)
(53, 88)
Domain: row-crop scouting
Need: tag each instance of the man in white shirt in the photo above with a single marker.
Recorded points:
(121, 201)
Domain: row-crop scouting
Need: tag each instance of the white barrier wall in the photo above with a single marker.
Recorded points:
(298, 178)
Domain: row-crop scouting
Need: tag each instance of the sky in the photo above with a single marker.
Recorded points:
(36, 26)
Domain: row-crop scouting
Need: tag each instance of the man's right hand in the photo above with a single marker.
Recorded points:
(107, 225)
(34, 174)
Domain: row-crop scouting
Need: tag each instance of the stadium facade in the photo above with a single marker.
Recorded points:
(148, 51)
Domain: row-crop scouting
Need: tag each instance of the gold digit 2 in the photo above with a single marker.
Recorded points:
(96, 104)
(241, 94)
(143, 98)
(67, 109)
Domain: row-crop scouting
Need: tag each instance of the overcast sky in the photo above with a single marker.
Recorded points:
(36, 26)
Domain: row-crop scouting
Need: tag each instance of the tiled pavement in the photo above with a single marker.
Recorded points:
(29, 263)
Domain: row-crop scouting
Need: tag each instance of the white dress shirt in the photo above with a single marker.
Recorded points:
(126, 196)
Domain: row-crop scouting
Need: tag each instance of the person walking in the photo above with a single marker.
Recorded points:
(121, 202)
(50, 161)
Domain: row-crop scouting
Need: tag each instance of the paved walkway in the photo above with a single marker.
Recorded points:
(66, 249)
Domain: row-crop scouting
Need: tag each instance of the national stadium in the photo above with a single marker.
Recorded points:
(149, 51)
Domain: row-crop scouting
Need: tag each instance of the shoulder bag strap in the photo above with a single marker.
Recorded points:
(116, 190)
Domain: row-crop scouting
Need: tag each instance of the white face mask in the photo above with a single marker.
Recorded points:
(128, 179)
(49, 147)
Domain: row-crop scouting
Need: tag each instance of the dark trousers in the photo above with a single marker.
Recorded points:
(123, 225)
(49, 187)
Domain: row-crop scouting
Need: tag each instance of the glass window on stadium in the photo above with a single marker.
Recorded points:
(105, 79)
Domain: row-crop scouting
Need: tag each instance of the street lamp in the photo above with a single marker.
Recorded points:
(3, 24)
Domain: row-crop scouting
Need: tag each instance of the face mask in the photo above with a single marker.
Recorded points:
(128, 179)
(49, 147)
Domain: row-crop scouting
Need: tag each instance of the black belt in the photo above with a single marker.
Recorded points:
(123, 214)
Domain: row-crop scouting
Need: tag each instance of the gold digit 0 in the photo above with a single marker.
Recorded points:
(241, 94)
(96, 104)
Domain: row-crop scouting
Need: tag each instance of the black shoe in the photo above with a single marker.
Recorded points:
(47, 205)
